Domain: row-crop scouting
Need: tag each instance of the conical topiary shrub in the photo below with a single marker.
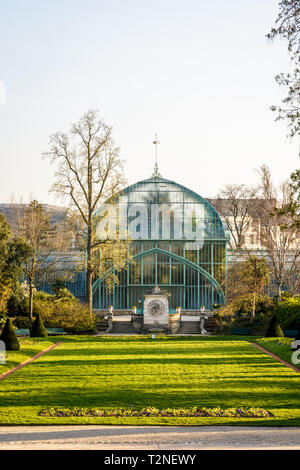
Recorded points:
(274, 329)
(9, 337)
(38, 330)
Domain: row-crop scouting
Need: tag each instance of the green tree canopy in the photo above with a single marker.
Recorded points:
(13, 253)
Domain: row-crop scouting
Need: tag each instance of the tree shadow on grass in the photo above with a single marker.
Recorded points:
(158, 347)
(243, 362)
(163, 394)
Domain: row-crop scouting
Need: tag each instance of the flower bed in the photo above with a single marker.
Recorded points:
(151, 412)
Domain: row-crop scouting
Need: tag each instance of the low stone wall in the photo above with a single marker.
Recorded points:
(196, 313)
(187, 321)
(137, 322)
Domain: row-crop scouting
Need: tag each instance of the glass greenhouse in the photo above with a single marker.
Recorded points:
(178, 243)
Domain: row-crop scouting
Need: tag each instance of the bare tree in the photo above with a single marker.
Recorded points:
(49, 247)
(89, 172)
(287, 27)
(267, 188)
(280, 236)
(248, 275)
(238, 205)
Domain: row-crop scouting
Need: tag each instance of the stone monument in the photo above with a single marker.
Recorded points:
(156, 309)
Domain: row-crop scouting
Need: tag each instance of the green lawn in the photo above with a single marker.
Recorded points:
(109, 372)
(282, 347)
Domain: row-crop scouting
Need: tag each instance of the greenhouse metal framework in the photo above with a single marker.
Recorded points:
(191, 267)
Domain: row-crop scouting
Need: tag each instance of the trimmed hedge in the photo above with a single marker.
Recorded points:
(72, 316)
(224, 325)
(241, 307)
(38, 329)
(9, 337)
(59, 312)
(288, 313)
(274, 329)
(3, 319)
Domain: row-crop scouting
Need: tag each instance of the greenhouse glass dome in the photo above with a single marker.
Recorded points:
(178, 243)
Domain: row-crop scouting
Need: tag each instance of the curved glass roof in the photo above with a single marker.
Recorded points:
(157, 208)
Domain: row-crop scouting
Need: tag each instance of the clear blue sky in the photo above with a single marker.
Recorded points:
(199, 73)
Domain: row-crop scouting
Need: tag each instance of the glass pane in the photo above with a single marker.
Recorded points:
(163, 274)
(161, 258)
(191, 255)
(148, 246)
(149, 269)
(177, 248)
(177, 271)
(164, 246)
(135, 273)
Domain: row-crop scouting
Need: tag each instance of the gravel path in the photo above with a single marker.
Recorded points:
(148, 437)
(296, 369)
(28, 361)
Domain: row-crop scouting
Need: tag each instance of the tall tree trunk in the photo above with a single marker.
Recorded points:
(89, 295)
(89, 274)
(253, 307)
(31, 287)
(279, 293)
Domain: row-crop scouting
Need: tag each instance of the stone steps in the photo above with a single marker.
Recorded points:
(210, 324)
(126, 327)
(101, 325)
(123, 327)
(189, 327)
(193, 327)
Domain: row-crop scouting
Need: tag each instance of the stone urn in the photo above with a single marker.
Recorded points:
(174, 321)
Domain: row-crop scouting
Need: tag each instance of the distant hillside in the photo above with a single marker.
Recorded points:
(12, 211)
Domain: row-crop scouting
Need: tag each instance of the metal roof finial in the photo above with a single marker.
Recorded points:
(156, 173)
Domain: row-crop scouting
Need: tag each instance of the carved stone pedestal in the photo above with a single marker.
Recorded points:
(156, 310)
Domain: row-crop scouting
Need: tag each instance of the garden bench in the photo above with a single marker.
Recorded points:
(241, 331)
(55, 331)
(50, 331)
(22, 332)
(290, 333)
